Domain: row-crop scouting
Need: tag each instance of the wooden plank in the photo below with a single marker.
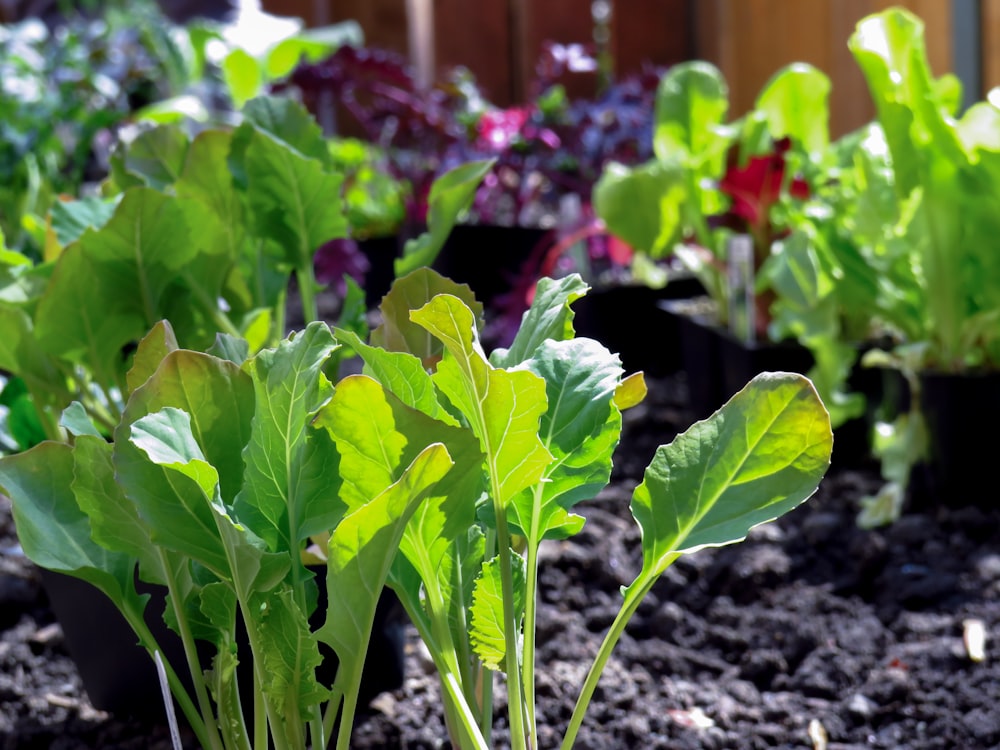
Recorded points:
(654, 31)
(478, 37)
(750, 40)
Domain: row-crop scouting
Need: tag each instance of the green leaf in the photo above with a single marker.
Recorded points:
(401, 373)
(289, 487)
(243, 76)
(643, 205)
(54, 532)
(549, 317)
(759, 456)
(108, 288)
(290, 122)
(503, 406)
(580, 428)
(361, 550)
(155, 345)
(796, 104)
(691, 103)
(377, 436)
(398, 333)
(114, 521)
(486, 632)
(294, 201)
(71, 218)
(219, 399)
(288, 655)
(157, 155)
(451, 195)
(77, 421)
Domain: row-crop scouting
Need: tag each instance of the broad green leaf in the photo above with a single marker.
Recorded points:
(759, 456)
(165, 437)
(401, 373)
(549, 317)
(243, 76)
(77, 422)
(377, 436)
(226, 346)
(21, 355)
(294, 201)
(361, 551)
(487, 626)
(157, 155)
(503, 406)
(108, 288)
(289, 121)
(691, 103)
(398, 333)
(290, 483)
(643, 205)
(795, 102)
(219, 399)
(580, 428)
(54, 532)
(114, 521)
(451, 195)
(155, 345)
(206, 179)
(71, 218)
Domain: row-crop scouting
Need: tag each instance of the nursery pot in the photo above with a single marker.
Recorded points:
(120, 677)
(488, 257)
(381, 253)
(717, 365)
(961, 412)
(630, 321)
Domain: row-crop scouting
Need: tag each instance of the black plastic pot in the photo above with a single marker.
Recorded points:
(962, 412)
(717, 365)
(630, 321)
(120, 678)
(381, 253)
(488, 258)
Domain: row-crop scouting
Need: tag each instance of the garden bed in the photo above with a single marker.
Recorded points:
(811, 629)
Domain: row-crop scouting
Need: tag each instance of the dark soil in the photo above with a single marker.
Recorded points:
(811, 634)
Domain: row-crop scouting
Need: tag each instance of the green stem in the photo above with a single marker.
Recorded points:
(515, 698)
(632, 601)
(530, 616)
(207, 738)
(307, 293)
(191, 653)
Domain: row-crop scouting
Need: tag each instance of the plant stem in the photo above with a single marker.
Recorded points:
(190, 650)
(515, 698)
(307, 293)
(632, 601)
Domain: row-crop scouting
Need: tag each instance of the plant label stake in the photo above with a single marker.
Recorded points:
(739, 253)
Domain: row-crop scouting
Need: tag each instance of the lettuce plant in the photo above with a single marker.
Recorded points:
(438, 471)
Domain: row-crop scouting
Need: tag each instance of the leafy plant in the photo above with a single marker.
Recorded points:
(946, 178)
(937, 279)
(205, 232)
(423, 472)
(64, 91)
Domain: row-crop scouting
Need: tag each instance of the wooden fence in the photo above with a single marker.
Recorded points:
(499, 40)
